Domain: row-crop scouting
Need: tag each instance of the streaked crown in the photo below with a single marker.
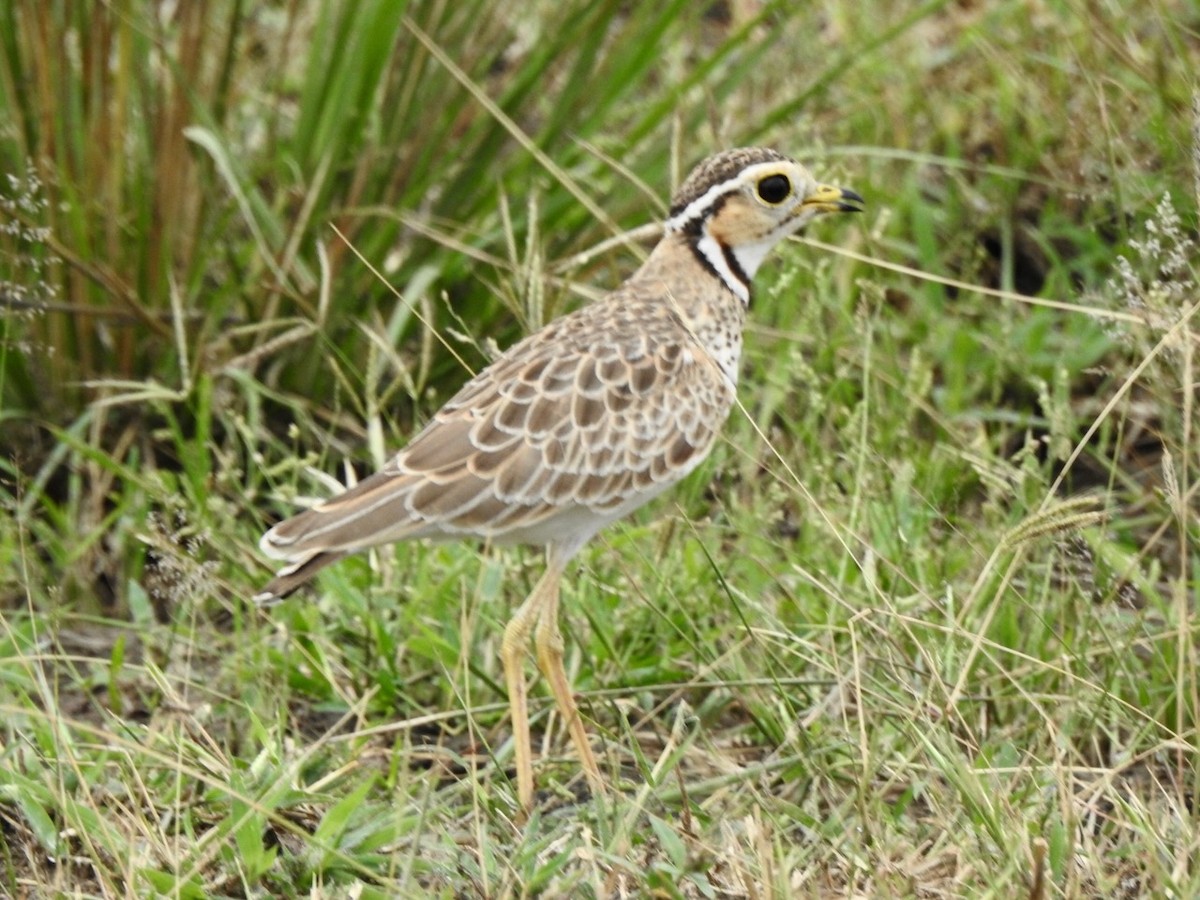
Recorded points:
(718, 170)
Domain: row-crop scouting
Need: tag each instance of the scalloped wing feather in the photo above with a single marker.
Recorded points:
(575, 426)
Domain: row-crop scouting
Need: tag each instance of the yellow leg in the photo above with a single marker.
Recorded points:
(512, 655)
(549, 643)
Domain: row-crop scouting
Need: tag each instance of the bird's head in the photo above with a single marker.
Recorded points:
(737, 205)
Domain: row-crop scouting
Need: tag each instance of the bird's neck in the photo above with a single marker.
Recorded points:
(711, 308)
(707, 248)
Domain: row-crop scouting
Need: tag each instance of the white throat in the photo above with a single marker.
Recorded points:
(736, 266)
(751, 256)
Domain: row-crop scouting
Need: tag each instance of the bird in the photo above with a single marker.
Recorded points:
(581, 422)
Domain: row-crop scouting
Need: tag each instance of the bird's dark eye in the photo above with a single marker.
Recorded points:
(774, 188)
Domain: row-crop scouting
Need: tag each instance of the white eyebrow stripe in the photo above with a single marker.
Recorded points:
(704, 201)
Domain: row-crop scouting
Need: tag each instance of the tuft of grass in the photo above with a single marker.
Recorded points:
(923, 625)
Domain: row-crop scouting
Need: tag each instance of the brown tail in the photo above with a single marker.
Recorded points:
(291, 577)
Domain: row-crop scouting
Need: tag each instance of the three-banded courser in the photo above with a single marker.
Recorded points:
(584, 421)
